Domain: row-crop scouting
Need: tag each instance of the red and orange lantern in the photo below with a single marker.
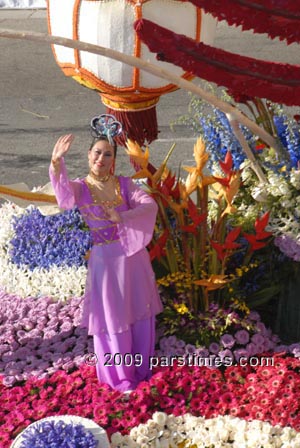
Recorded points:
(129, 93)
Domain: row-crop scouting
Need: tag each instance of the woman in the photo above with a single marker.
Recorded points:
(121, 298)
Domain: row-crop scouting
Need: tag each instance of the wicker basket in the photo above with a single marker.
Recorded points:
(98, 432)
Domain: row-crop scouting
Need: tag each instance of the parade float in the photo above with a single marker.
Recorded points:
(225, 252)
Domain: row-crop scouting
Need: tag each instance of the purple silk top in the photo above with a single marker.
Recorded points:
(120, 287)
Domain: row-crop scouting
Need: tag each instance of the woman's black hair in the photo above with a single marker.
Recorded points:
(101, 138)
(104, 128)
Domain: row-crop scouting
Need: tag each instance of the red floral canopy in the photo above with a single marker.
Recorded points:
(278, 82)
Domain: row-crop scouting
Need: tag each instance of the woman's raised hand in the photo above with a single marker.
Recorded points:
(62, 146)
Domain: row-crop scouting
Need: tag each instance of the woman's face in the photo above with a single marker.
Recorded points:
(101, 158)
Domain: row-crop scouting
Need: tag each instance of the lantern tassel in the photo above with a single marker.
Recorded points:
(139, 126)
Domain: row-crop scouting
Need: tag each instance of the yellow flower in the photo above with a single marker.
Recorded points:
(181, 308)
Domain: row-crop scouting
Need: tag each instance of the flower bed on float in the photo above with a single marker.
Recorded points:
(219, 248)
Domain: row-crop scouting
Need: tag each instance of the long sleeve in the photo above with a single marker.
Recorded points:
(137, 226)
(65, 190)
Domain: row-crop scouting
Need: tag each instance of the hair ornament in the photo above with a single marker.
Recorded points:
(107, 125)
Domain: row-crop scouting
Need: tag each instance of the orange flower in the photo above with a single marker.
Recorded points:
(139, 158)
(196, 175)
(213, 282)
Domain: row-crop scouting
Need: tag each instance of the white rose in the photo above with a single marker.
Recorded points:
(141, 439)
(151, 425)
(160, 418)
(142, 430)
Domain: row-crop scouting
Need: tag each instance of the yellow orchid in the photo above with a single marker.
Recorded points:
(181, 308)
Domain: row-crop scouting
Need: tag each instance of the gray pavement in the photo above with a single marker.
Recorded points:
(38, 102)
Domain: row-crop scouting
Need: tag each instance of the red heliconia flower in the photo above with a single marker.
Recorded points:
(260, 225)
(232, 236)
(168, 187)
(158, 250)
(197, 218)
(225, 181)
(226, 166)
(256, 241)
(223, 250)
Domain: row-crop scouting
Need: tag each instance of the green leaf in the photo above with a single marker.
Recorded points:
(263, 296)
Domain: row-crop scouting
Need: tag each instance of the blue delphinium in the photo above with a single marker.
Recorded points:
(220, 138)
(289, 134)
(43, 241)
(51, 434)
(212, 124)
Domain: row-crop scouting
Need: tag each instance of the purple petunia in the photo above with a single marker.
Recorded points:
(227, 340)
(242, 337)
